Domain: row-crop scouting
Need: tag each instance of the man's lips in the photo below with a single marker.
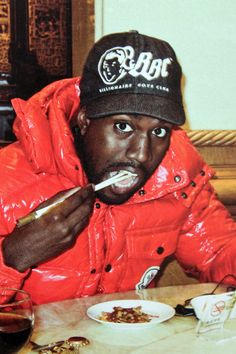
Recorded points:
(125, 185)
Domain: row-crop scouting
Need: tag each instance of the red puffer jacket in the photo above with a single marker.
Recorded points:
(175, 213)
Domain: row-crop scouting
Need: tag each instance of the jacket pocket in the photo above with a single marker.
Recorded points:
(153, 244)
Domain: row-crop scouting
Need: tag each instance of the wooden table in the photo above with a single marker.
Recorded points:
(61, 320)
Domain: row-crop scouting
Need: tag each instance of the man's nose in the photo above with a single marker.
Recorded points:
(139, 149)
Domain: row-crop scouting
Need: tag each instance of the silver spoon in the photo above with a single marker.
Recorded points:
(73, 342)
(39, 347)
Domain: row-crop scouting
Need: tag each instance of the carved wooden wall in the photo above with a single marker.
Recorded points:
(40, 41)
(50, 35)
(5, 35)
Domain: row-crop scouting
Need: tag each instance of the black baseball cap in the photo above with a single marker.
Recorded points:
(131, 73)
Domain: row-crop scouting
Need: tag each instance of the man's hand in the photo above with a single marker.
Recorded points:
(51, 234)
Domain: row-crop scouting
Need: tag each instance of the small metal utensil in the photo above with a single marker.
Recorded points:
(70, 345)
(39, 347)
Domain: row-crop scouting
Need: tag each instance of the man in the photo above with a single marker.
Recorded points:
(115, 239)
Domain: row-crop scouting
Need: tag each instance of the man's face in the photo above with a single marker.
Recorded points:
(122, 142)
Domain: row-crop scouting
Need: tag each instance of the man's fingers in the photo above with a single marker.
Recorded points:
(79, 218)
(83, 196)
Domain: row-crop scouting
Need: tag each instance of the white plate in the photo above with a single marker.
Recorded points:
(160, 312)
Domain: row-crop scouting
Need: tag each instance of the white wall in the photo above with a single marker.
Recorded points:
(203, 34)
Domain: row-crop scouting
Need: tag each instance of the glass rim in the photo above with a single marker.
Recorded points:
(15, 302)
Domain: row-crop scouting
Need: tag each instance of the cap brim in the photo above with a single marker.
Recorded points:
(148, 105)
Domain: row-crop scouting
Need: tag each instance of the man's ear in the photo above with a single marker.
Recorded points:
(82, 121)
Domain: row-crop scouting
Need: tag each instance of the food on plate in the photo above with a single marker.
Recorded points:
(126, 315)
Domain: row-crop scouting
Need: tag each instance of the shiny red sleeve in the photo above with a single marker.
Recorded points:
(207, 244)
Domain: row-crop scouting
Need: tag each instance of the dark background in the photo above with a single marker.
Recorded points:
(36, 49)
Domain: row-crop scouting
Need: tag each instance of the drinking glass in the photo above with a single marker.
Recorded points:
(16, 319)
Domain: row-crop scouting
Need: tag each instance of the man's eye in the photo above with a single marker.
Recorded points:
(124, 127)
(160, 132)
